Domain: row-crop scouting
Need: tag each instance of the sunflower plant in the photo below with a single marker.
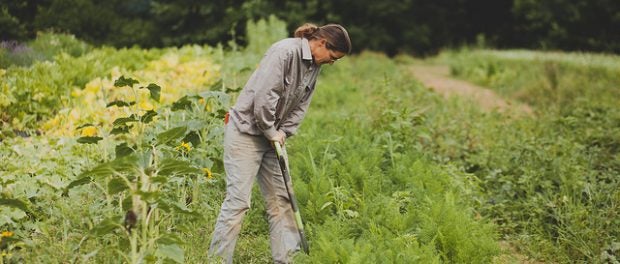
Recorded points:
(151, 158)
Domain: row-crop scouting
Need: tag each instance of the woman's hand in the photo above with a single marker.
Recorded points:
(279, 137)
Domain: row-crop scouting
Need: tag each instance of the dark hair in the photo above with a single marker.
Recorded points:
(336, 35)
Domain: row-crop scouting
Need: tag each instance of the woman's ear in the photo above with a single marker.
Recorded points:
(322, 42)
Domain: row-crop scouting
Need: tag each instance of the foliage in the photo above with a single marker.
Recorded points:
(188, 67)
(149, 170)
(150, 152)
(45, 47)
(551, 178)
(145, 171)
(365, 183)
(29, 102)
(412, 26)
(31, 95)
(568, 24)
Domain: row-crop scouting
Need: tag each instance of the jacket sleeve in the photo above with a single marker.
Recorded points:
(269, 81)
(294, 118)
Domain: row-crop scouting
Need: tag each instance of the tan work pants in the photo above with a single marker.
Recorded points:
(248, 158)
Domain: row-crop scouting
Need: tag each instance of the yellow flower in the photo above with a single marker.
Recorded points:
(93, 86)
(146, 105)
(89, 131)
(185, 147)
(207, 173)
(52, 123)
(76, 93)
(7, 234)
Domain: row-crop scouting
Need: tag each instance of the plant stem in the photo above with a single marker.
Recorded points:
(134, 248)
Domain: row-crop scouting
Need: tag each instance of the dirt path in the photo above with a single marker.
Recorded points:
(510, 255)
(437, 77)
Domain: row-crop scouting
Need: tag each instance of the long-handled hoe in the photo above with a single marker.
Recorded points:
(291, 196)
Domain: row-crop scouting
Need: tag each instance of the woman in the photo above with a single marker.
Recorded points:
(270, 108)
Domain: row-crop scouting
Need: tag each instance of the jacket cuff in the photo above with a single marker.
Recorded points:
(288, 132)
(270, 132)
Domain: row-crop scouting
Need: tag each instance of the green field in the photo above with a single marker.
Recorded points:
(385, 169)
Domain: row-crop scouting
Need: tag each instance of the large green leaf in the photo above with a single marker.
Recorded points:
(124, 120)
(159, 179)
(182, 104)
(192, 137)
(89, 140)
(217, 85)
(148, 116)
(233, 90)
(170, 166)
(122, 129)
(106, 226)
(149, 197)
(76, 183)
(169, 239)
(128, 164)
(120, 103)
(123, 150)
(171, 134)
(221, 114)
(127, 203)
(221, 97)
(117, 185)
(155, 90)
(15, 203)
(176, 207)
(171, 251)
(83, 126)
(101, 170)
(122, 81)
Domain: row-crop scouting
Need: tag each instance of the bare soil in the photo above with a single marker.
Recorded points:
(510, 255)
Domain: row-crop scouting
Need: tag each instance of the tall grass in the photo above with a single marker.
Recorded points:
(543, 79)
(363, 182)
(550, 179)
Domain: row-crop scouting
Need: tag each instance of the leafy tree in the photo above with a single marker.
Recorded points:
(412, 26)
(194, 21)
(14, 16)
(569, 25)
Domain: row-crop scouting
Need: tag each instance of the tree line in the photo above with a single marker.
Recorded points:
(412, 26)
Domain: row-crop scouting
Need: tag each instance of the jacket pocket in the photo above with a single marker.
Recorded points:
(307, 92)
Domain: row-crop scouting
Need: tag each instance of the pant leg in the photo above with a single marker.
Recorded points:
(243, 155)
(283, 231)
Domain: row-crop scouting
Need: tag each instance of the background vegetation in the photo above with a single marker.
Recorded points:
(550, 181)
(385, 169)
(392, 26)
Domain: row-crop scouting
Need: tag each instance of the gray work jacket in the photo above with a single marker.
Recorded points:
(277, 95)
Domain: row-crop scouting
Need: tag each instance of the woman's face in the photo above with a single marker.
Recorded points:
(323, 55)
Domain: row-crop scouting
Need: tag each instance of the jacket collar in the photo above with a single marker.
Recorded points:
(306, 54)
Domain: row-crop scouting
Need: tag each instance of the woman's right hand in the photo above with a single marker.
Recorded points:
(279, 137)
